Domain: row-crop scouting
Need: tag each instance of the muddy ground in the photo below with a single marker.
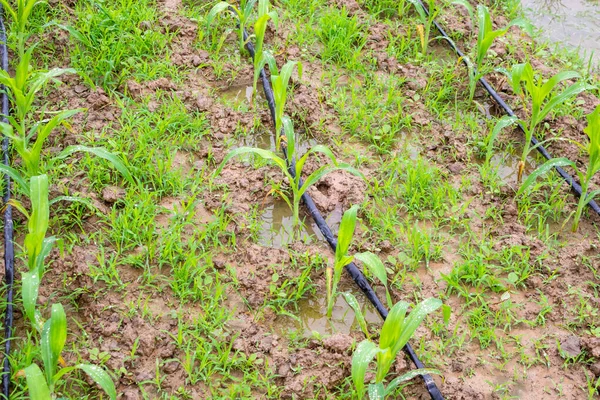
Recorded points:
(136, 328)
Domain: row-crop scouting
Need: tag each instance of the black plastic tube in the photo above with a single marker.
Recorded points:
(576, 187)
(351, 268)
(9, 250)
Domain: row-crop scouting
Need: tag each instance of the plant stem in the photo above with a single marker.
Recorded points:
(580, 205)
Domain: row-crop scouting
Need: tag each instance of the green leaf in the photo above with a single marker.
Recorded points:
(216, 10)
(353, 303)
(30, 282)
(557, 100)
(264, 154)
(36, 383)
(413, 321)
(502, 123)
(374, 264)
(393, 325)
(47, 245)
(54, 336)
(346, 231)
(102, 153)
(17, 177)
(101, 377)
(446, 313)
(362, 357)
(591, 196)
(376, 391)
(407, 377)
(38, 220)
(543, 169)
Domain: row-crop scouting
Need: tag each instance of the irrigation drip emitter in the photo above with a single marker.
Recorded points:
(576, 187)
(9, 250)
(351, 268)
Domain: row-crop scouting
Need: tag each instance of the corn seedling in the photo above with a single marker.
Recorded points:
(426, 19)
(593, 151)
(297, 186)
(395, 334)
(54, 335)
(524, 83)
(20, 17)
(243, 13)
(261, 56)
(347, 226)
(370, 260)
(37, 246)
(280, 80)
(485, 38)
(29, 141)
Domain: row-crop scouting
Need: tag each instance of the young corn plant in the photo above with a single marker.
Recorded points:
(426, 17)
(37, 246)
(485, 38)
(346, 231)
(592, 149)
(243, 13)
(20, 16)
(293, 174)
(261, 56)
(370, 260)
(395, 333)
(526, 83)
(28, 137)
(279, 81)
(41, 386)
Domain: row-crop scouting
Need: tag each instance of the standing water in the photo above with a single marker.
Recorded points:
(570, 23)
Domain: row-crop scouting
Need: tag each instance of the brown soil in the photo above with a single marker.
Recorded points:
(115, 325)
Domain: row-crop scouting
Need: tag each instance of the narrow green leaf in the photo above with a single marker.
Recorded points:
(393, 325)
(543, 169)
(17, 177)
(374, 264)
(346, 231)
(216, 10)
(389, 390)
(102, 153)
(264, 154)
(101, 377)
(36, 383)
(353, 303)
(30, 282)
(376, 391)
(413, 321)
(362, 357)
(54, 335)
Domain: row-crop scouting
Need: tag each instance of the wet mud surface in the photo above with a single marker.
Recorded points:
(139, 330)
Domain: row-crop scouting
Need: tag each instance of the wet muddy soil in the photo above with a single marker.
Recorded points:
(135, 316)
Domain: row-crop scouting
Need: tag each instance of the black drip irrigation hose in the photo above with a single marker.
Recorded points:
(9, 251)
(576, 187)
(351, 268)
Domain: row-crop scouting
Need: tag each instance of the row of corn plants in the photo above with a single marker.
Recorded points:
(539, 98)
(398, 328)
(28, 128)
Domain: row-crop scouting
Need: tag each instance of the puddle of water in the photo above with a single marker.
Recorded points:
(312, 315)
(571, 23)
(506, 166)
(277, 231)
(240, 94)
(262, 139)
